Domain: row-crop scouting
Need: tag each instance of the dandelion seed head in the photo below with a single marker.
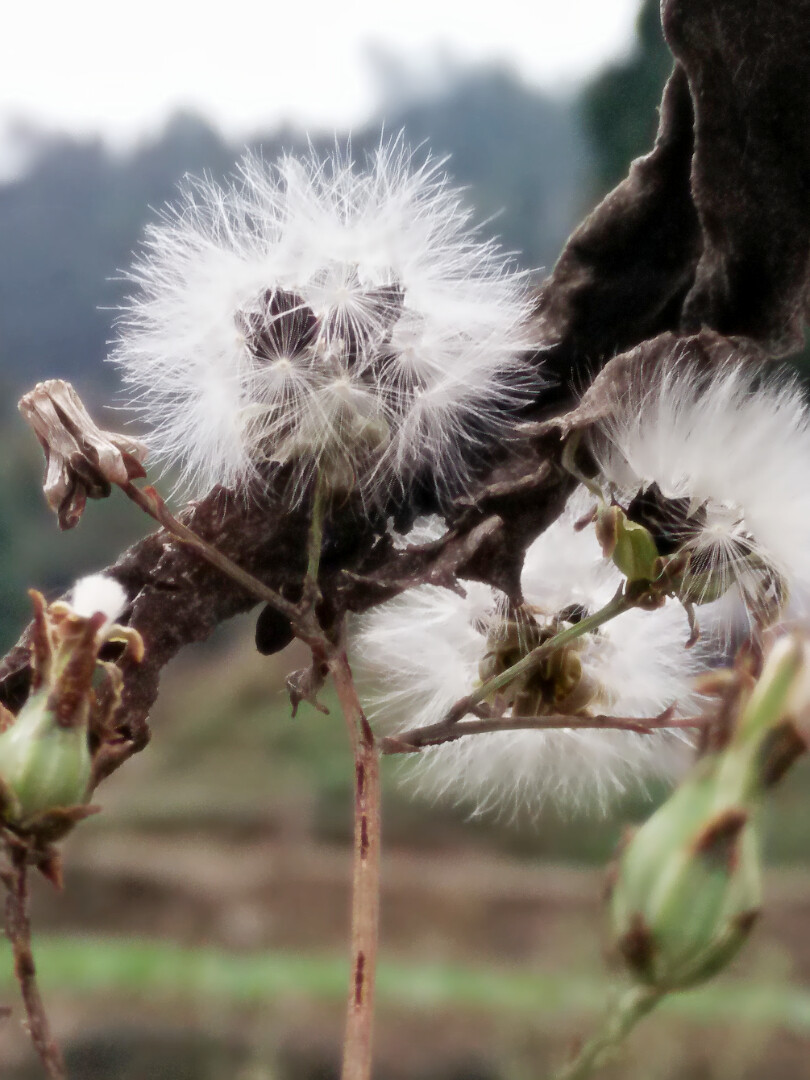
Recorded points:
(425, 650)
(268, 316)
(724, 456)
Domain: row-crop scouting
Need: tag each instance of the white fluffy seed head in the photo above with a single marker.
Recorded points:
(324, 317)
(422, 652)
(734, 447)
(98, 594)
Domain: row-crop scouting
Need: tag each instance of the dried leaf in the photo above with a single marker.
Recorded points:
(81, 460)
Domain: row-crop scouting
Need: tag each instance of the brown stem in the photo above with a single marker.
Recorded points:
(151, 503)
(357, 1046)
(18, 931)
(448, 730)
(366, 873)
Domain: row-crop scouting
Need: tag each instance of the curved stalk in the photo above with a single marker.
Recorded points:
(18, 932)
(630, 1008)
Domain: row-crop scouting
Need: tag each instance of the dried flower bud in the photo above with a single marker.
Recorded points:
(81, 460)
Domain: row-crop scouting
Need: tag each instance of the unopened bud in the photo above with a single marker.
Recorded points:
(772, 729)
(44, 765)
(688, 888)
(45, 758)
(630, 545)
(782, 693)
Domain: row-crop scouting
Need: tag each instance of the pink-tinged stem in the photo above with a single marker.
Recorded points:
(18, 931)
(357, 1047)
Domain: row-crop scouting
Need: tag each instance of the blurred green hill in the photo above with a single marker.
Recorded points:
(69, 224)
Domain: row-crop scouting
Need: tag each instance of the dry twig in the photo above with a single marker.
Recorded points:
(449, 730)
(18, 932)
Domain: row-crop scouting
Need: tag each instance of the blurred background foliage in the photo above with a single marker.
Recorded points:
(205, 913)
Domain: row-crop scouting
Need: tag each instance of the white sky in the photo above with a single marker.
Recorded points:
(119, 66)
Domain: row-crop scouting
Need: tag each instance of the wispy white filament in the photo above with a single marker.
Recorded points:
(420, 653)
(98, 594)
(736, 447)
(315, 314)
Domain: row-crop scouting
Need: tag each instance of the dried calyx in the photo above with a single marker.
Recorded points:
(559, 684)
(342, 364)
(82, 461)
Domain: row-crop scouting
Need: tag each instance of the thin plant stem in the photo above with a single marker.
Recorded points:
(315, 536)
(444, 732)
(630, 1008)
(18, 931)
(357, 1046)
(150, 502)
(619, 604)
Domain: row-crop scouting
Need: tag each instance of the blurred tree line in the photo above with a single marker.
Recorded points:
(70, 221)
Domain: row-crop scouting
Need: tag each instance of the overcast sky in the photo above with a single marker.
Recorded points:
(119, 68)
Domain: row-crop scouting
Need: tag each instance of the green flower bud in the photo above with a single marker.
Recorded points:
(687, 890)
(630, 545)
(44, 765)
(688, 887)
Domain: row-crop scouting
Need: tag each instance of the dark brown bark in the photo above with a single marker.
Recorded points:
(748, 67)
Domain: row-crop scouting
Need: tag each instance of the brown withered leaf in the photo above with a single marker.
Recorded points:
(624, 271)
(748, 70)
(634, 371)
(82, 461)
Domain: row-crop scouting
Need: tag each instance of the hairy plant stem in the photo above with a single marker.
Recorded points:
(18, 932)
(357, 1046)
(619, 604)
(629, 1009)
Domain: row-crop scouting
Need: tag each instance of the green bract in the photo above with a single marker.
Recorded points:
(688, 885)
(629, 544)
(43, 765)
